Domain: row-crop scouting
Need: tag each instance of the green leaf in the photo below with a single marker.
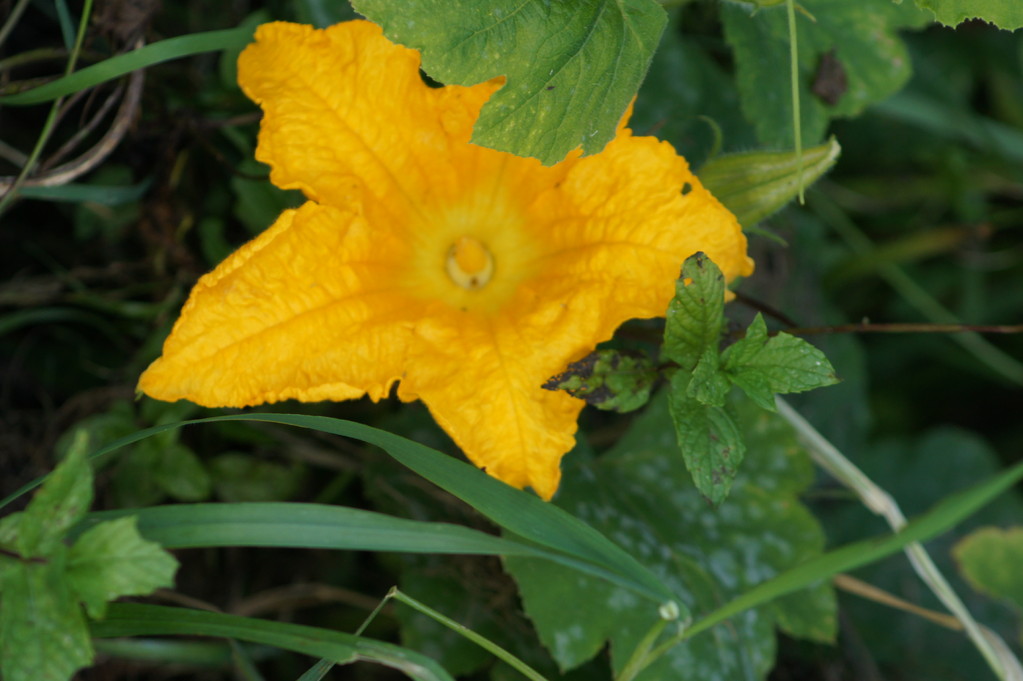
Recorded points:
(868, 64)
(611, 380)
(60, 503)
(945, 515)
(165, 50)
(640, 494)
(129, 619)
(112, 560)
(707, 384)
(756, 184)
(104, 195)
(709, 439)
(764, 366)
(696, 315)
(1007, 14)
(990, 559)
(43, 636)
(180, 473)
(571, 67)
(243, 477)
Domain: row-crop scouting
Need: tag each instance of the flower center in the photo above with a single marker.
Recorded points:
(469, 263)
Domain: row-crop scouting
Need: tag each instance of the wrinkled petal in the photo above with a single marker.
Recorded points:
(346, 112)
(303, 311)
(481, 379)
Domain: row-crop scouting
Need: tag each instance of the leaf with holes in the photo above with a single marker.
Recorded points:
(571, 68)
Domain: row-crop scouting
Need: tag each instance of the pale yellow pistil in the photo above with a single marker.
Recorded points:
(469, 263)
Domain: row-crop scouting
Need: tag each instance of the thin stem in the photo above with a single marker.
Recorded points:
(868, 327)
(51, 118)
(797, 123)
(1001, 660)
(482, 642)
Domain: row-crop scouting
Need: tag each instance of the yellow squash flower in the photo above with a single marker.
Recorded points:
(465, 275)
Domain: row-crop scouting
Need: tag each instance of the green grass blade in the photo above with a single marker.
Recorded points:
(943, 516)
(295, 525)
(89, 193)
(165, 50)
(131, 619)
(523, 514)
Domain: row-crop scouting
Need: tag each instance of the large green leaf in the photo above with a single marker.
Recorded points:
(641, 494)
(1007, 14)
(571, 67)
(868, 58)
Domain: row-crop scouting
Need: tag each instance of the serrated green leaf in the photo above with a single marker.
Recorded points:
(869, 62)
(1007, 14)
(571, 67)
(611, 380)
(990, 559)
(61, 502)
(640, 494)
(765, 365)
(43, 636)
(112, 560)
(756, 184)
(696, 315)
(709, 439)
(707, 384)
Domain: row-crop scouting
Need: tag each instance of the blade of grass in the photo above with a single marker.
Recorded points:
(131, 619)
(943, 516)
(51, 118)
(156, 53)
(998, 655)
(522, 514)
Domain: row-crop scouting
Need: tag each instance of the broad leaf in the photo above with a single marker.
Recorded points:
(849, 55)
(640, 494)
(112, 560)
(610, 380)
(1007, 14)
(60, 503)
(571, 68)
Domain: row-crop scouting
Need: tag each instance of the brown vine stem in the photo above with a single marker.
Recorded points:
(869, 327)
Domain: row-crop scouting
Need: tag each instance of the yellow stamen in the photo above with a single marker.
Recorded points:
(469, 263)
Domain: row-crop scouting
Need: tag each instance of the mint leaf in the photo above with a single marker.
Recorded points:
(571, 67)
(711, 443)
(112, 560)
(755, 184)
(610, 380)
(43, 636)
(61, 502)
(707, 384)
(640, 494)
(696, 315)
(1006, 14)
(990, 559)
(763, 366)
(869, 61)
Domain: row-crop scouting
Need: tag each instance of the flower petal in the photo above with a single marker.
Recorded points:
(303, 311)
(618, 229)
(481, 379)
(346, 112)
